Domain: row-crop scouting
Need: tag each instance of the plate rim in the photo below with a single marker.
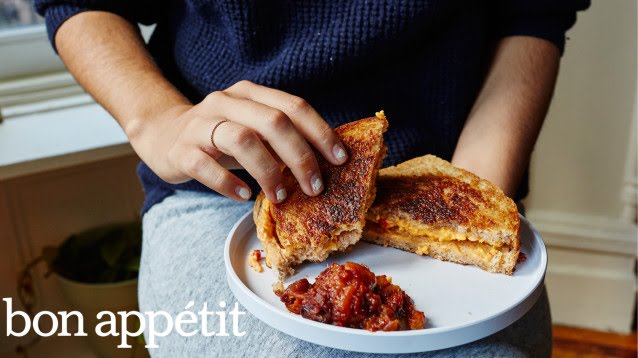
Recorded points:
(232, 276)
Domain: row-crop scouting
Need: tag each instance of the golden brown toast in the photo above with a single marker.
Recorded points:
(304, 228)
(428, 206)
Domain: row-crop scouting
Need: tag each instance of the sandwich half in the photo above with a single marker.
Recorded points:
(429, 207)
(304, 228)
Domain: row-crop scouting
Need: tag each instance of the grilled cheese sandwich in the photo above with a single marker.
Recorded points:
(304, 228)
(429, 207)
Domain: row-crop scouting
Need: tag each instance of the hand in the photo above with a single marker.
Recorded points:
(265, 128)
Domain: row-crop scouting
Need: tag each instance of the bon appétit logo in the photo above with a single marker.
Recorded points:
(189, 322)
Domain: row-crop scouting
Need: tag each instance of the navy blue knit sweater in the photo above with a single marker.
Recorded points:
(423, 62)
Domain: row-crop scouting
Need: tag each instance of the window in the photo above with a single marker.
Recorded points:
(49, 122)
(17, 13)
(24, 46)
(32, 76)
(29, 70)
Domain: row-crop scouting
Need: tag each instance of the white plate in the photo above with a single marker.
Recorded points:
(461, 303)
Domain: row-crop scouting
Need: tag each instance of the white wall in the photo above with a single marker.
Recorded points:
(583, 172)
(580, 156)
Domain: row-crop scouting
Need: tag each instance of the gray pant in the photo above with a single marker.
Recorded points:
(182, 261)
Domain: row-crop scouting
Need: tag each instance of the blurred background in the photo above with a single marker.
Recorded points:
(66, 167)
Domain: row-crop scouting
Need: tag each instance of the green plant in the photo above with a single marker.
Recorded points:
(105, 254)
(101, 255)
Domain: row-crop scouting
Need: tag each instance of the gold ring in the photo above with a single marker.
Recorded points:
(212, 134)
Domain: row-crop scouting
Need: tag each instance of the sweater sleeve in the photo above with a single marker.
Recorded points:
(546, 19)
(56, 12)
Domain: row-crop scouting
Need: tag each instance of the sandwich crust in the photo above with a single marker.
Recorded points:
(304, 228)
(428, 206)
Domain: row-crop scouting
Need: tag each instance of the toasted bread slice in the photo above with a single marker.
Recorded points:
(304, 228)
(429, 207)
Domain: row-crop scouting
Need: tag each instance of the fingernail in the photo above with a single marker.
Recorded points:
(339, 152)
(316, 183)
(281, 194)
(243, 192)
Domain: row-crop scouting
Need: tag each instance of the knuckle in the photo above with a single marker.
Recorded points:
(326, 134)
(243, 137)
(194, 165)
(214, 97)
(241, 85)
(172, 172)
(298, 105)
(277, 120)
(269, 175)
(244, 83)
(190, 125)
(305, 161)
(176, 155)
(272, 171)
(219, 179)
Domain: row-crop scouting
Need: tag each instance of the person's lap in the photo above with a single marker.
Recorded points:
(182, 261)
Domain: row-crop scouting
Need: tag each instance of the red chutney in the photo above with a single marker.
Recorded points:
(350, 295)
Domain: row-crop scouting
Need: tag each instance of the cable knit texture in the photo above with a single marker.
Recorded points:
(423, 62)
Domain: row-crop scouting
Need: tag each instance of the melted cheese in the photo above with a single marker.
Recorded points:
(423, 250)
(446, 241)
(436, 234)
(483, 252)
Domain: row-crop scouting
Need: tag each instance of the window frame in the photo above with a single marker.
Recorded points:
(26, 50)
(32, 76)
(31, 73)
